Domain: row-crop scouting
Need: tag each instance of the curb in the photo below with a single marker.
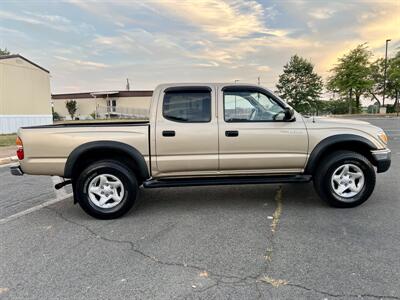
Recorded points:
(7, 160)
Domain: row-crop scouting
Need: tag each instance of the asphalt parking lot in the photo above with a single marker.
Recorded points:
(230, 242)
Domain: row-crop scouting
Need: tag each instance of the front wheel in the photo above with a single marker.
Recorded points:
(345, 179)
(106, 189)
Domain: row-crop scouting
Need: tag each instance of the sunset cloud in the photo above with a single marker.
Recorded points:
(89, 45)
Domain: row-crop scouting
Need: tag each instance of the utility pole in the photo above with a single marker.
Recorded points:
(258, 80)
(127, 84)
(384, 76)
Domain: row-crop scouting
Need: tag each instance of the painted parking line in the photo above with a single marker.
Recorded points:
(33, 209)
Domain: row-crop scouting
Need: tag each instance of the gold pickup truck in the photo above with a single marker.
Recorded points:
(206, 134)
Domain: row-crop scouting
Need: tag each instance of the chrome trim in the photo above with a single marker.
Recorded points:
(382, 154)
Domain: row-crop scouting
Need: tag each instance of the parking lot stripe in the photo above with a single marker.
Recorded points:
(33, 209)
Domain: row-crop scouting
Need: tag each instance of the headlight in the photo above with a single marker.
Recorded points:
(383, 137)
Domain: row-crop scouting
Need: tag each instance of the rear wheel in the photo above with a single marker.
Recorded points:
(345, 179)
(106, 189)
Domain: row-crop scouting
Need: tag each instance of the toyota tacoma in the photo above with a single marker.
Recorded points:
(206, 134)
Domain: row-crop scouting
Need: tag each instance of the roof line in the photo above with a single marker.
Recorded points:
(90, 95)
(27, 60)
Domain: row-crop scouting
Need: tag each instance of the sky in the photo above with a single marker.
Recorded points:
(95, 45)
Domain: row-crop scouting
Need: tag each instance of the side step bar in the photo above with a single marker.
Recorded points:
(201, 181)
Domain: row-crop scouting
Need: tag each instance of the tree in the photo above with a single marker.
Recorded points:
(337, 107)
(377, 76)
(71, 107)
(351, 76)
(393, 76)
(299, 84)
(4, 52)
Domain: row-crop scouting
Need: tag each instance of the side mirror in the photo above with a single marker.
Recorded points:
(289, 114)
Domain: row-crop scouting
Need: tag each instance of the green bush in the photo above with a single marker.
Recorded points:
(72, 107)
(337, 107)
(390, 109)
(56, 116)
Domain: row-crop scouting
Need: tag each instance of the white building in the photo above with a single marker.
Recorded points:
(106, 104)
(25, 98)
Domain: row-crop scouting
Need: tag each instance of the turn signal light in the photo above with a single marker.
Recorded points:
(383, 137)
(20, 149)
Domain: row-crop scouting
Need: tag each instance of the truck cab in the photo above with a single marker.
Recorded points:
(215, 130)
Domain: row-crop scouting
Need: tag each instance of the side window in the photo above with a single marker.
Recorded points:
(237, 108)
(188, 106)
(251, 106)
(111, 105)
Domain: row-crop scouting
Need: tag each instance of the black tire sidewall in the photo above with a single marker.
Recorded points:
(113, 168)
(324, 183)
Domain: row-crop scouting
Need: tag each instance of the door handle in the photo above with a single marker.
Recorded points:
(168, 133)
(231, 133)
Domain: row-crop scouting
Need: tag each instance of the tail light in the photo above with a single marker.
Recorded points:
(20, 149)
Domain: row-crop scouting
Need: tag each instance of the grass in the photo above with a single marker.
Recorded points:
(7, 139)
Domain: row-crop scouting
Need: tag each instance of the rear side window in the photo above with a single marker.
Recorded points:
(190, 106)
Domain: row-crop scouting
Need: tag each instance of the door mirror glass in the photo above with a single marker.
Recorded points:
(289, 114)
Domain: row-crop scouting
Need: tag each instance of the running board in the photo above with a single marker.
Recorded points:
(201, 181)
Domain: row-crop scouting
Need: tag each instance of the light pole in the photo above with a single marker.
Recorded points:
(384, 75)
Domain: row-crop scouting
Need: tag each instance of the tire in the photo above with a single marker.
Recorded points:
(102, 180)
(337, 179)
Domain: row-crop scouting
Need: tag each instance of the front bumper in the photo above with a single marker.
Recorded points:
(382, 159)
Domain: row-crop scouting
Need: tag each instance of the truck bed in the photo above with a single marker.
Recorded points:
(47, 147)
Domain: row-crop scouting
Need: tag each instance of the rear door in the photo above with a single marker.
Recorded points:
(186, 132)
(254, 138)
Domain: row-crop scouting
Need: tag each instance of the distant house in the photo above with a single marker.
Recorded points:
(104, 105)
(24, 94)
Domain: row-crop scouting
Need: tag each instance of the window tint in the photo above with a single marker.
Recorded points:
(187, 106)
(249, 106)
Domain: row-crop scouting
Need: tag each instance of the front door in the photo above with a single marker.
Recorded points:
(254, 138)
(186, 132)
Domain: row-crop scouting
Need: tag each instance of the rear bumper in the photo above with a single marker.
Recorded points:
(382, 159)
(16, 170)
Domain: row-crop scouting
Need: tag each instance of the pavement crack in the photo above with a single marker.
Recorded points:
(282, 282)
(217, 276)
(273, 281)
(276, 216)
(341, 295)
(278, 210)
(228, 279)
